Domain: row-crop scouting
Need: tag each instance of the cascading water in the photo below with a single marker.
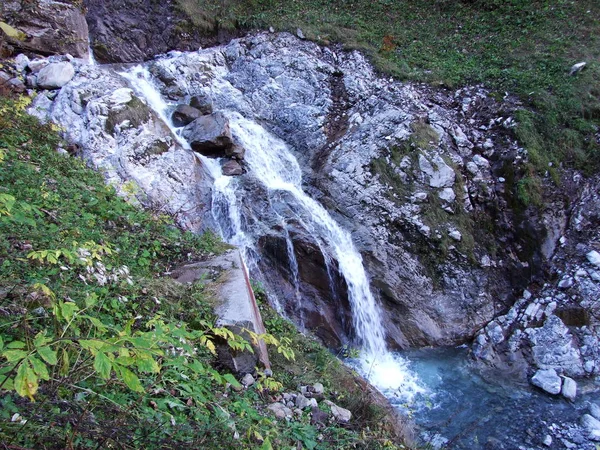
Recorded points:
(270, 162)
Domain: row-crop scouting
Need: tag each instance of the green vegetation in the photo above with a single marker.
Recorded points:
(100, 349)
(524, 47)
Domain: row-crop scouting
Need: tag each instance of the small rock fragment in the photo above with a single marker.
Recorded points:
(248, 380)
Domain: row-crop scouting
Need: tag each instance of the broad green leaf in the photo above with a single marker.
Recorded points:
(130, 379)
(231, 380)
(40, 339)
(48, 355)
(39, 368)
(6, 383)
(26, 381)
(146, 363)
(14, 355)
(102, 365)
(91, 345)
(96, 322)
(125, 360)
(68, 309)
(16, 344)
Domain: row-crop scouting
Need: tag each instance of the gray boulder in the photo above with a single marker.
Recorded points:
(280, 410)
(592, 426)
(548, 380)
(202, 103)
(209, 135)
(55, 75)
(184, 115)
(340, 414)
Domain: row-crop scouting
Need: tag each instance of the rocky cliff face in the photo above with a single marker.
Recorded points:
(414, 173)
(425, 179)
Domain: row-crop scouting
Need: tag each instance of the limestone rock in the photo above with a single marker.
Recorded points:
(448, 195)
(592, 426)
(318, 389)
(548, 380)
(209, 135)
(554, 348)
(21, 62)
(302, 402)
(248, 380)
(280, 410)
(595, 410)
(594, 258)
(55, 75)
(340, 414)
(441, 175)
(569, 388)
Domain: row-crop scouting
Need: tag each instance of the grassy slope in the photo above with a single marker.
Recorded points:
(525, 47)
(120, 363)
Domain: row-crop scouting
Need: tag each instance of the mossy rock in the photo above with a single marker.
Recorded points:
(135, 111)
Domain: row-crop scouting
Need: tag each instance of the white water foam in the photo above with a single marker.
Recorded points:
(269, 160)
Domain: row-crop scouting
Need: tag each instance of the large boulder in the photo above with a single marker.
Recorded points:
(184, 115)
(50, 27)
(209, 135)
(55, 75)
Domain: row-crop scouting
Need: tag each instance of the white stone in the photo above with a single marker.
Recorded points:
(440, 174)
(594, 258)
(547, 440)
(595, 410)
(302, 402)
(299, 33)
(577, 67)
(37, 64)
(248, 380)
(485, 261)
(591, 424)
(318, 388)
(473, 168)
(340, 414)
(455, 234)
(420, 196)
(566, 282)
(481, 161)
(548, 380)
(448, 195)
(569, 388)
(55, 75)
(280, 410)
(21, 62)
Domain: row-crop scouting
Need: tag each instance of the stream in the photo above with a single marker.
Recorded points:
(462, 408)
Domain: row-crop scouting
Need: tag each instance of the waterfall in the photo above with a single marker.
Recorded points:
(270, 161)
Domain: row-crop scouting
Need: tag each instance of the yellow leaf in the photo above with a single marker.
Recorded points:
(12, 32)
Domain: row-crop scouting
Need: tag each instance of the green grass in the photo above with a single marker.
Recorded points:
(123, 362)
(524, 47)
